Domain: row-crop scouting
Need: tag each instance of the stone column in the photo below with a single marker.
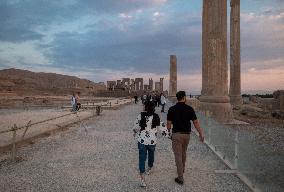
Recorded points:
(173, 76)
(151, 84)
(235, 55)
(141, 85)
(161, 85)
(138, 84)
(214, 94)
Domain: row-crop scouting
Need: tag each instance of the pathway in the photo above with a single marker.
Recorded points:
(105, 158)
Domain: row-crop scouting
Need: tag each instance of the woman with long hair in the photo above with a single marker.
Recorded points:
(145, 130)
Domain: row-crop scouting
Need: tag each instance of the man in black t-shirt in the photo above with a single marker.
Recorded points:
(180, 116)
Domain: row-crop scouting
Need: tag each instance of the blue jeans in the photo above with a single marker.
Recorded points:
(74, 107)
(143, 150)
(163, 107)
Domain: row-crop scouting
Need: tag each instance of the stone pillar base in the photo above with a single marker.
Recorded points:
(222, 112)
(236, 100)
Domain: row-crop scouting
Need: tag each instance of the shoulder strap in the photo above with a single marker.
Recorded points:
(156, 120)
(142, 123)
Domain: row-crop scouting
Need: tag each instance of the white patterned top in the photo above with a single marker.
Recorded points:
(148, 136)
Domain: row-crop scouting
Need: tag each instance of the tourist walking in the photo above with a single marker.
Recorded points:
(73, 102)
(135, 99)
(163, 102)
(144, 98)
(78, 103)
(158, 100)
(180, 116)
(145, 131)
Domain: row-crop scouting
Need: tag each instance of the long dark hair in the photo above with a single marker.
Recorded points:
(149, 111)
(149, 108)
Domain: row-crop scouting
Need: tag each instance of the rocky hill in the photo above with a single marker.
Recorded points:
(22, 82)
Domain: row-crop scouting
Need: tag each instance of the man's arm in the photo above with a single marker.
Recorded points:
(199, 130)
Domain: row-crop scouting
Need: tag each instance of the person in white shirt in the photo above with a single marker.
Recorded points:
(145, 131)
(163, 102)
(73, 102)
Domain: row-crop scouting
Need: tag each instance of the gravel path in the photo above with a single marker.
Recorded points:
(105, 158)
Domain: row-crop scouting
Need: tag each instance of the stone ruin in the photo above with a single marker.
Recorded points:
(127, 87)
(278, 104)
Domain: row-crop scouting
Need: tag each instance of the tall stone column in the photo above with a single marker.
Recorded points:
(136, 84)
(141, 84)
(161, 85)
(214, 94)
(151, 84)
(173, 76)
(235, 55)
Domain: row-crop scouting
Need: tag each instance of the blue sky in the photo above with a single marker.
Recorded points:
(109, 39)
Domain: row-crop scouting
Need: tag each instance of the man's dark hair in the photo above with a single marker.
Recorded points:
(180, 95)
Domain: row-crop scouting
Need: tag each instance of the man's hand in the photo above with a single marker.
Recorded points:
(199, 130)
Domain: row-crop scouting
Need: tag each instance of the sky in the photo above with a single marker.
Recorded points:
(104, 40)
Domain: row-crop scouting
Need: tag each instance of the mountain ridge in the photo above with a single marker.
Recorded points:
(25, 82)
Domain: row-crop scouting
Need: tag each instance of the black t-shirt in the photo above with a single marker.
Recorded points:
(181, 115)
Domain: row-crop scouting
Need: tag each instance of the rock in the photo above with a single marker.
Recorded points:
(252, 111)
(278, 104)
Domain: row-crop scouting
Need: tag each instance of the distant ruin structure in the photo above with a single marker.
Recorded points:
(151, 83)
(235, 55)
(139, 84)
(214, 94)
(111, 85)
(173, 76)
(278, 104)
(127, 86)
(157, 86)
(126, 83)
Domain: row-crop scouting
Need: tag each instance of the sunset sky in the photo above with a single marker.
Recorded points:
(110, 39)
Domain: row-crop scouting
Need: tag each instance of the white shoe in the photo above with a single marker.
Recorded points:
(143, 183)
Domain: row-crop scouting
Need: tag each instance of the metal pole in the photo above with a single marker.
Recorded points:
(208, 124)
(236, 148)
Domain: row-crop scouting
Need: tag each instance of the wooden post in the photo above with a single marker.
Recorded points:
(14, 142)
(93, 109)
(27, 126)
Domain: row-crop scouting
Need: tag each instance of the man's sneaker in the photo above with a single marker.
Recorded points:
(143, 183)
(179, 181)
(149, 170)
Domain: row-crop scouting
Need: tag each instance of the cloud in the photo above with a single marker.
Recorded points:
(263, 79)
(25, 53)
(262, 35)
(101, 39)
(156, 14)
(125, 16)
